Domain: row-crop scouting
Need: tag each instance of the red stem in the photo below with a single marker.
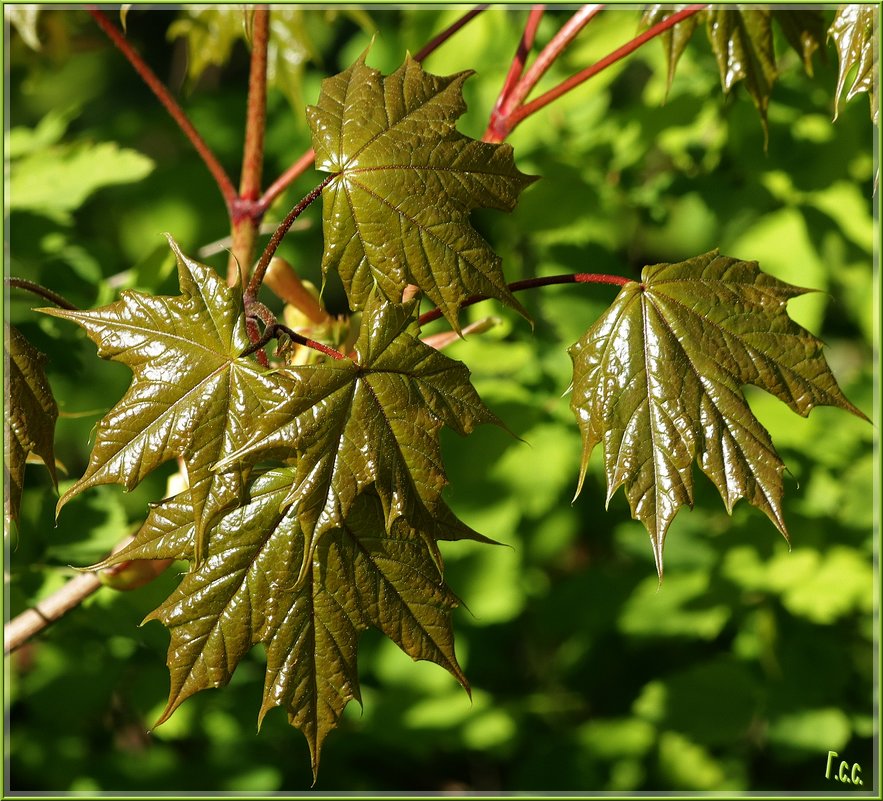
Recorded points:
(253, 150)
(225, 185)
(303, 163)
(534, 283)
(446, 34)
(524, 46)
(526, 110)
(286, 179)
(245, 213)
(258, 276)
(310, 343)
(552, 51)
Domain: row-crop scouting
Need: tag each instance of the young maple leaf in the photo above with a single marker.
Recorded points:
(29, 422)
(658, 380)
(192, 395)
(371, 420)
(397, 210)
(362, 575)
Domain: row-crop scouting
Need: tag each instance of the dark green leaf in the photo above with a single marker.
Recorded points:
(191, 395)
(374, 420)
(742, 41)
(362, 575)
(804, 30)
(658, 380)
(29, 418)
(397, 210)
(856, 33)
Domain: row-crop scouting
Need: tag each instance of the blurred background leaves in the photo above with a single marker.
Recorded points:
(740, 672)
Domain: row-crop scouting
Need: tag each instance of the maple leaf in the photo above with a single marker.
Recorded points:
(362, 575)
(29, 421)
(658, 378)
(856, 34)
(397, 210)
(372, 420)
(192, 395)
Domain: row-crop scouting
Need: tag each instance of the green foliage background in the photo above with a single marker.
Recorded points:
(741, 672)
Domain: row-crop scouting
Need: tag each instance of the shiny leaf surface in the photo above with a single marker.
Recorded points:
(362, 575)
(191, 394)
(856, 33)
(29, 416)
(658, 381)
(742, 41)
(371, 420)
(397, 211)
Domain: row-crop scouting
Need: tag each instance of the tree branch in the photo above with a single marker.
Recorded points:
(500, 124)
(518, 62)
(32, 621)
(246, 215)
(448, 32)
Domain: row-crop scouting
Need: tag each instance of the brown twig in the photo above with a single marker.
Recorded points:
(39, 289)
(32, 621)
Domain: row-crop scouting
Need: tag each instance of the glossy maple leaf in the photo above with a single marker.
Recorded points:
(397, 210)
(29, 419)
(362, 575)
(658, 381)
(370, 420)
(192, 394)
